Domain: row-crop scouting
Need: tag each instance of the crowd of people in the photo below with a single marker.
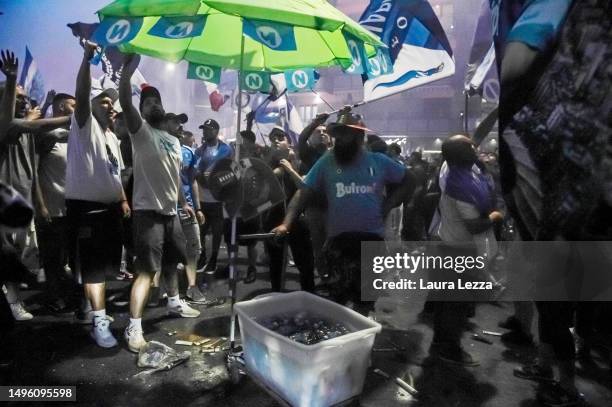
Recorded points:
(123, 190)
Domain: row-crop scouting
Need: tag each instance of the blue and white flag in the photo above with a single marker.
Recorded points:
(418, 47)
(276, 112)
(111, 58)
(481, 67)
(179, 27)
(300, 80)
(276, 36)
(116, 30)
(31, 79)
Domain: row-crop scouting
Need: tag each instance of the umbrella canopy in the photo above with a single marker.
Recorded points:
(319, 32)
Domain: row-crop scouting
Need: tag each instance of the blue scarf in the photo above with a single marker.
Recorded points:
(465, 185)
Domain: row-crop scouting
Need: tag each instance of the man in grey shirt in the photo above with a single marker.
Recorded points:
(51, 225)
(17, 157)
(158, 238)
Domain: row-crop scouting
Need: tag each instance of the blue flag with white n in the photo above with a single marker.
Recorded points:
(276, 36)
(300, 80)
(31, 79)
(178, 27)
(116, 30)
(418, 47)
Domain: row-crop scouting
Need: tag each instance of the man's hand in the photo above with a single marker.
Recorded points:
(50, 96)
(189, 211)
(250, 116)
(200, 217)
(33, 114)
(130, 63)
(496, 216)
(9, 64)
(43, 215)
(126, 211)
(89, 49)
(346, 109)
(281, 230)
(286, 164)
(321, 118)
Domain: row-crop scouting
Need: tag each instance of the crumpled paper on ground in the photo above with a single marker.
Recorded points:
(159, 357)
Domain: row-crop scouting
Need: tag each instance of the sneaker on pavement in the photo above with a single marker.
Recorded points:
(86, 318)
(534, 372)
(201, 263)
(101, 333)
(124, 275)
(183, 310)
(196, 296)
(59, 307)
(20, 313)
(553, 395)
(211, 266)
(134, 339)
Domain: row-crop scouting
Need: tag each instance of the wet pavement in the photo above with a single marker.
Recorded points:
(53, 350)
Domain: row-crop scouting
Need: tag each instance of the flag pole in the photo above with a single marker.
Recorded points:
(465, 111)
(234, 249)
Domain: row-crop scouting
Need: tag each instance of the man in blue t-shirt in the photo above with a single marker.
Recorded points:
(353, 182)
(209, 153)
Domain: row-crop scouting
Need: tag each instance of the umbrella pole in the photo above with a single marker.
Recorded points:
(234, 248)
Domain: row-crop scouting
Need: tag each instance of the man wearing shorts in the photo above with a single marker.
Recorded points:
(158, 238)
(190, 225)
(95, 198)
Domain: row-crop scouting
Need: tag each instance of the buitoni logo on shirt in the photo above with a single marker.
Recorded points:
(352, 188)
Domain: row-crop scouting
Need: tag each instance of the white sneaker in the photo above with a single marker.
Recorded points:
(183, 310)
(134, 339)
(20, 313)
(101, 333)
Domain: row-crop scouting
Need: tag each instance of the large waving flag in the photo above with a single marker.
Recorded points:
(418, 47)
(31, 79)
(111, 58)
(481, 74)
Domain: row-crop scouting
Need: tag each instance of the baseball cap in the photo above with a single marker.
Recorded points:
(147, 91)
(110, 93)
(210, 123)
(181, 118)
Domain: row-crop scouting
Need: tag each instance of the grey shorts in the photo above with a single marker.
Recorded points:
(158, 240)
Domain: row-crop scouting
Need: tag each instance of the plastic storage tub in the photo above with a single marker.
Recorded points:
(323, 374)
